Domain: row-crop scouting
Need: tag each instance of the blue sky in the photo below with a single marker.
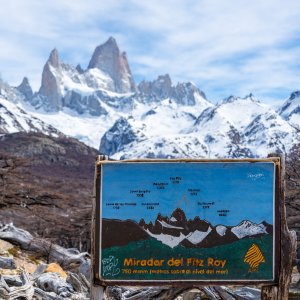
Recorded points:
(245, 189)
(225, 47)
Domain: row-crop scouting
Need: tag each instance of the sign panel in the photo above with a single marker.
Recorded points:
(187, 221)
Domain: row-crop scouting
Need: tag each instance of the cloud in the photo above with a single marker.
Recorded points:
(225, 47)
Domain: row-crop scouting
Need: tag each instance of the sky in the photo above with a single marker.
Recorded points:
(245, 190)
(225, 47)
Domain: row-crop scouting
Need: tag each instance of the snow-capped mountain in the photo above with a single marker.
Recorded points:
(177, 230)
(103, 107)
(238, 127)
(14, 118)
(290, 110)
(106, 82)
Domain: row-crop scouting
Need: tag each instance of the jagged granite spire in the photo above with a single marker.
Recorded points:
(291, 106)
(50, 87)
(53, 58)
(108, 58)
(25, 89)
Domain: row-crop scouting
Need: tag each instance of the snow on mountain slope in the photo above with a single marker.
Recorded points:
(238, 127)
(290, 110)
(14, 119)
(221, 230)
(164, 224)
(86, 128)
(194, 237)
(169, 240)
(241, 111)
(194, 233)
(197, 236)
(247, 228)
(269, 132)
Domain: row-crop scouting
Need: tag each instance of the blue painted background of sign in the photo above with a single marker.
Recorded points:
(237, 187)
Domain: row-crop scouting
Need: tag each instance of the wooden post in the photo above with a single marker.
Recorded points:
(97, 292)
(288, 242)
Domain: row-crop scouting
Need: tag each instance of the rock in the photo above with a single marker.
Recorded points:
(24, 263)
(25, 89)
(13, 280)
(50, 87)
(19, 287)
(248, 293)
(5, 246)
(110, 60)
(56, 268)
(183, 93)
(7, 263)
(157, 89)
(53, 282)
(53, 252)
(85, 269)
(40, 270)
(79, 283)
(118, 136)
(10, 271)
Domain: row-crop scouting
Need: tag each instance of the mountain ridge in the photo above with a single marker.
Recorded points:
(178, 231)
(154, 119)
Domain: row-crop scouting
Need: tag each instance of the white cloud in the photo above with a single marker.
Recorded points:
(226, 47)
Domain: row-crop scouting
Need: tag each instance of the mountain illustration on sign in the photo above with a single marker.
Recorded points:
(177, 230)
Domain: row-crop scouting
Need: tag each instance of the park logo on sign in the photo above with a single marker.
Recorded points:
(254, 258)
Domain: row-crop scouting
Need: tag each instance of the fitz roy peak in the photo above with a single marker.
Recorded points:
(108, 75)
(110, 60)
(104, 108)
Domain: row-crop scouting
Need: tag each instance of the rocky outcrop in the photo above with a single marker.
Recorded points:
(183, 93)
(290, 110)
(109, 59)
(25, 89)
(50, 87)
(116, 138)
(188, 94)
(158, 89)
(59, 273)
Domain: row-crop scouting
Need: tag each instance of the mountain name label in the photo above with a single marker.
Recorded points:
(187, 221)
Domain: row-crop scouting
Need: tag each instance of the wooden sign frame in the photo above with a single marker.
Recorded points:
(97, 221)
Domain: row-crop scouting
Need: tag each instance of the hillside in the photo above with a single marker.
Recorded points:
(46, 186)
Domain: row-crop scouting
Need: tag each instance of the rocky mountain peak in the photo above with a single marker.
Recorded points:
(232, 99)
(291, 107)
(116, 138)
(295, 95)
(179, 215)
(109, 59)
(25, 88)
(187, 93)
(159, 88)
(79, 69)
(50, 86)
(53, 59)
